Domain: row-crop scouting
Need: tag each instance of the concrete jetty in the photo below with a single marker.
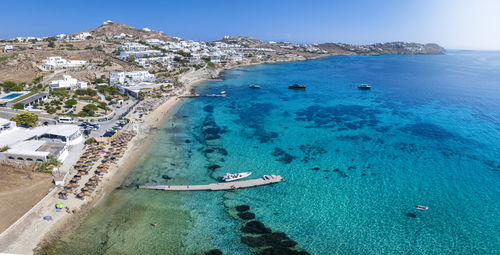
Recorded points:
(265, 180)
(203, 95)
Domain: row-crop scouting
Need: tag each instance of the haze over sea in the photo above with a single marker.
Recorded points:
(356, 163)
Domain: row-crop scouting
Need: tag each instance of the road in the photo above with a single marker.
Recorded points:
(112, 122)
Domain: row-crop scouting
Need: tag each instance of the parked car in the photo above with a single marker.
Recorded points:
(108, 134)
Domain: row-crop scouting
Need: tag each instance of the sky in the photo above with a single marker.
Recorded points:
(454, 24)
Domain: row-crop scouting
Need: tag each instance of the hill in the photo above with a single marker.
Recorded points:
(110, 29)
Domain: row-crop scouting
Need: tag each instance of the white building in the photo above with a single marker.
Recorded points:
(131, 77)
(82, 36)
(31, 145)
(139, 54)
(133, 46)
(67, 82)
(57, 62)
(155, 42)
(7, 48)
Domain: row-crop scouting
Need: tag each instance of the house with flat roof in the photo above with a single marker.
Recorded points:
(130, 77)
(67, 82)
(31, 145)
(56, 62)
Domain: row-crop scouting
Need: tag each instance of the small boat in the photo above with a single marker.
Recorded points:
(297, 86)
(232, 177)
(422, 207)
(254, 86)
(364, 87)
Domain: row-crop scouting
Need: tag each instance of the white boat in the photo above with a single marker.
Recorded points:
(422, 207)
(232, 177)
(254, 86)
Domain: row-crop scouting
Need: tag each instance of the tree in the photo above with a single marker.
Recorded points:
(90, 140)
(11, 86)
(206, 58)
(26, 119)
(70, 102)
(18, 106)
(4, 148)
(89, 110)
(141, 95)
(51, 44)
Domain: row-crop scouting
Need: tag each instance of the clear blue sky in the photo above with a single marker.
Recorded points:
(456, 24)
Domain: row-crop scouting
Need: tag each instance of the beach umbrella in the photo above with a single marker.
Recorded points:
(60, 205)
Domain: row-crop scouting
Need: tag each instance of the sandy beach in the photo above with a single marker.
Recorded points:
(33, 230)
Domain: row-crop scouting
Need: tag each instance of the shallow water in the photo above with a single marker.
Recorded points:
(356, 163)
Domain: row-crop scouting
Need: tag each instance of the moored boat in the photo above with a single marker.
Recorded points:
(254, 86)
(422, 207)
(297, 86)
(232, 177)
(364, 86)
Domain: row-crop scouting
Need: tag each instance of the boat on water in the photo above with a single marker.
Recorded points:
(254, 86)
(232, 177)
(422, 207)
(297, 86)
(364, 86)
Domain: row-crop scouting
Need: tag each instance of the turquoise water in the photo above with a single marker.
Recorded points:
(356, 163)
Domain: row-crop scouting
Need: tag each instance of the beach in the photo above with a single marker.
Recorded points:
(33, 230)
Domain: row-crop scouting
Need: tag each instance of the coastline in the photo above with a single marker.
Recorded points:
(33, 235)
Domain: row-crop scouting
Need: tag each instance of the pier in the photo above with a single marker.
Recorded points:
(203, 95)
(265, 180)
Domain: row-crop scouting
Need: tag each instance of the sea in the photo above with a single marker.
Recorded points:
(356, 163)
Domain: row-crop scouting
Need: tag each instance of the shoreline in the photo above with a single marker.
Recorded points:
(28, 237)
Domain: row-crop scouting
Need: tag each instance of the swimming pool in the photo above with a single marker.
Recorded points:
(12, 95)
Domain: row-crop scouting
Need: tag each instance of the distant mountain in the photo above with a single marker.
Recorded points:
(342, 48)
(384, 48)
(110, 29)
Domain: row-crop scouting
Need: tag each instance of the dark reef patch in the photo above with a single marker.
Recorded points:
(214, 252)
(429, 131)
(411, 215)
(363, 138)
(242, 208)
(246, 215)
(255, 227)
(213, 167)
(283, 156)
(406, 147)
(209, 108)
(341, 116)
(264, 136)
